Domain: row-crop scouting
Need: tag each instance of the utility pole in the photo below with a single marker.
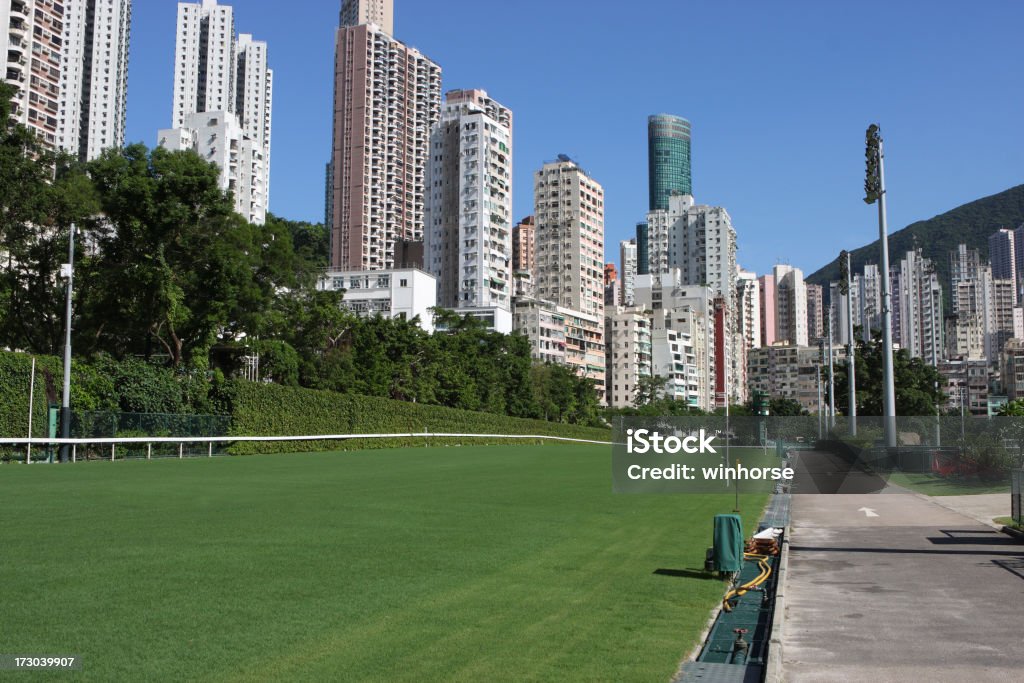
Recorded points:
(845, 285)
(874, 189)
(68, 271)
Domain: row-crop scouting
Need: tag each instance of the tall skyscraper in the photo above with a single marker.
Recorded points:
(569, 210)
(94, 77)
(468, 237)
(223, 97)
(387, 99)
(668, 158)
(31, 39)
(205, 69)
(1002, 254)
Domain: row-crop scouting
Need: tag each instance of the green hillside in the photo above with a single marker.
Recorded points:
(970, 224)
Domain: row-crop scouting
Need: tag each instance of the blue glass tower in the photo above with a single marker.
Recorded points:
(668, 158)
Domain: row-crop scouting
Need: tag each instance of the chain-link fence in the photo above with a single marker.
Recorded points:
(85, 425)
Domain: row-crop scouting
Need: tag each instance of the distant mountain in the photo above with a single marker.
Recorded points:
(970, 224)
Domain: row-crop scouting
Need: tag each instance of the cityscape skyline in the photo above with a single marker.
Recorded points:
(733, 148)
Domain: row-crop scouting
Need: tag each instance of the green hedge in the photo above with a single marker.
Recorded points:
(274, 410)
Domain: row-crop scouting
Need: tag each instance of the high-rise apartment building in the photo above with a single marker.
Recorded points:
(524, 256)
(223, 87)
(917, 296)
(205, 68)
(468, 236)
(569, 242)
(387, 100)
(569, 211)
(627, 333)
(868, 313)
(790, 305)
(668, 159)
(254, 93)
(767, 294)
(379, 12)
(94, 77)
(816, 312)
(31, 44)
(748, 307)
(628, 262)
(1002, 247)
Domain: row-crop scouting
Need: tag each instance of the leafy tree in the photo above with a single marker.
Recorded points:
(1012, 409)
(649, 389)
(917, 383)
(785, 407)
(175, 264)
(41, 195)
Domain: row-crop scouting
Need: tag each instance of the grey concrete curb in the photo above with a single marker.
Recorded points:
(773, 667)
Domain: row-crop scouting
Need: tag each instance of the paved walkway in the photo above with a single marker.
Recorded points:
(898, 588)
(983, 507)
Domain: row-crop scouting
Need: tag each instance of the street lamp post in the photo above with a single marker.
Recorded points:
(68, 271)
(874, 188)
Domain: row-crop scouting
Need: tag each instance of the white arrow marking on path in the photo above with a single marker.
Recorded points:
(868, 512)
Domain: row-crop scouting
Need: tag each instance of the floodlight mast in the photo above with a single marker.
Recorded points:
(874, 188)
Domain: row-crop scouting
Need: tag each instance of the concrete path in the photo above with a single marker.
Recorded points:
(983, 507)
(898, 588)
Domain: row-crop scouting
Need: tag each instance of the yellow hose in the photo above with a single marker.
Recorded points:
(766, 571)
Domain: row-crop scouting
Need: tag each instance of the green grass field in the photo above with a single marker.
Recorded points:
(426, 564)
(934, 485)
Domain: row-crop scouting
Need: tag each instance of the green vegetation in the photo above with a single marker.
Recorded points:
(267, 409)
(917, 383)
(456, 564)
(1009, 521)
(969, 224)
(169, 277)
(934, 485)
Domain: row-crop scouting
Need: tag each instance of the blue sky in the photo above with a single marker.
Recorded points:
(778, 93)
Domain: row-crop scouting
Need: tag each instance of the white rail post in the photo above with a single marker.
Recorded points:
(181, 451)
(74, 452)
(149, 451)
(209, 452)
(112, 447)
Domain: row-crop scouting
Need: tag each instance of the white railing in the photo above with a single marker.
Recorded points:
(210, 440)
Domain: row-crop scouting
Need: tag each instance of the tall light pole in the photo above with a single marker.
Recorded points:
(874, 191)
(68, 271)
(831, 376)
(845, 286)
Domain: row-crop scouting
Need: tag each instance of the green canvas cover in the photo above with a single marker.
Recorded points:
(728, 543)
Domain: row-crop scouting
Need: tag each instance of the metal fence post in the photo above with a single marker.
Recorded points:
(74, 452)
(209, 452)
(112, 447)
(149, 451)
(181, 450)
